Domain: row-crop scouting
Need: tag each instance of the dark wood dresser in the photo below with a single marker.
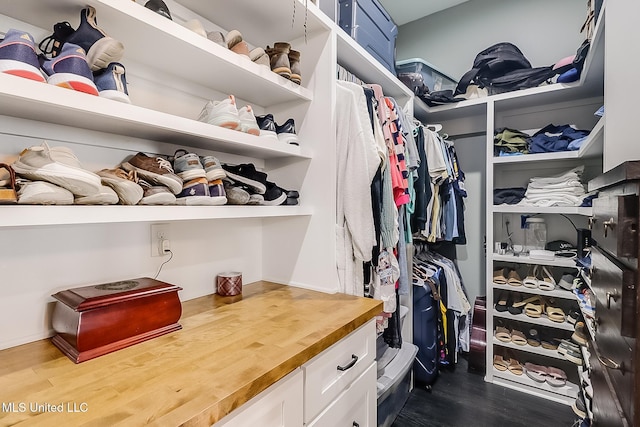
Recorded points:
(615, 375)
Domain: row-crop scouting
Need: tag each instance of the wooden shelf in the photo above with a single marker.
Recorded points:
(557, 262)
(28, 215)
(529, 349)
(542, 321)
(557, 293)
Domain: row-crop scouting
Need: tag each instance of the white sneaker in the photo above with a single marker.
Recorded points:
(221, 113)
(106, 196)
(124, 184)
(248, 122)
(42, 193)
(57, 165)
(156, 194)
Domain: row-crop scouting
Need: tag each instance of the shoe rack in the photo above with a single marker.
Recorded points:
(171, 73)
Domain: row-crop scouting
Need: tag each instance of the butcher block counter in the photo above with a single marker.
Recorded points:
(229, 350)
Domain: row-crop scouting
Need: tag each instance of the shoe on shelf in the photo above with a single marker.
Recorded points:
(195, 192)
(156, 194)
(274, 195)
(287, 132)
(59, 166)
(69, 70)
(291, 201)
(217, 192)
(101, 49)
(111, 83)
(42, 193)
(236, 195)
(8, 194)
(159, 7)
(248, 122)
(187, 165)
(106, 196)
(279, 59)
(18, 56)
(248, 175)
(579, 407)
(124, 183)
(260, 57)
(196, 26)
(51, 46)
(155, 170)
(255, 199)
(267, 126)
(218, 38)
(580, 334)
(213, 168)
(294, 63)
(221, 113)
(236, 44)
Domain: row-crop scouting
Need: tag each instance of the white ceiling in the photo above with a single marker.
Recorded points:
(403, 11)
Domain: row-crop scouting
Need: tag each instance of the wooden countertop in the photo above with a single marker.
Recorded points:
(229, 350)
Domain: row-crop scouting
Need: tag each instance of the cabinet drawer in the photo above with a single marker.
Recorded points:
(278, 406)
(615, 288)
(332, 371)
(606, 409)
(355, 407)
(615, 225)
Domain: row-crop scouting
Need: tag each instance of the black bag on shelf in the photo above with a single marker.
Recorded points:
(503, 68)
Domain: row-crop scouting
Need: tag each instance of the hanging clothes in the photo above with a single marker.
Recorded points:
(357, 161)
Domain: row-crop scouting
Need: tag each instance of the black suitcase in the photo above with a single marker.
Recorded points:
(425, 335)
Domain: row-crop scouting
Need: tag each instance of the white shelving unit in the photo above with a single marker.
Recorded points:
(532, 108)
(172, 73)
(529, 349)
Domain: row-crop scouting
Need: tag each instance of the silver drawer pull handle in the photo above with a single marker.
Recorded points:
(592, 222)
(609, 363)
(354, 359)
(611, 296)
(607, 225)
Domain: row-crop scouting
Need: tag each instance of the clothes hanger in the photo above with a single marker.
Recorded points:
(436, 127)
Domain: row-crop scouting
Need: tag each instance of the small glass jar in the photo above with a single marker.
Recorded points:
(535, 234)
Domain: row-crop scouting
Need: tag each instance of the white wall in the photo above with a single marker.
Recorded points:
(544, 30)
(471, 257)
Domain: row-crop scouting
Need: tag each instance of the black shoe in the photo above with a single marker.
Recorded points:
(287, 132)
(291, 201)
(267, 125)
(274, 195)
(292, 194)
(248, 175)
(159, 7)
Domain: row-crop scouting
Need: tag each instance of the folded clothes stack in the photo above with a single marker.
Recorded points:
(565, 189)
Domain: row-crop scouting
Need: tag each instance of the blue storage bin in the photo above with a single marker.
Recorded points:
(433, 78)
(369, 24)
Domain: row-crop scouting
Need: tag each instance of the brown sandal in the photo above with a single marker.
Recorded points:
(8, 194)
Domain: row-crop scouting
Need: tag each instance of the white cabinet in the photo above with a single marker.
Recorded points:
(340, 382)
(278, 406)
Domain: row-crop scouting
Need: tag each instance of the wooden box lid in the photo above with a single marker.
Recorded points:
(90, 297)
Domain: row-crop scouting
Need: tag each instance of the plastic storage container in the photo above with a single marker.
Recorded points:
(433, 78)
(535, 234)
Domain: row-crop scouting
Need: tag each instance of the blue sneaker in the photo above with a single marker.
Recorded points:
(70, 70)
(187, 165)
(18, 56)
(112, 83)
(101, 49)
(217, 193)
(195, 193)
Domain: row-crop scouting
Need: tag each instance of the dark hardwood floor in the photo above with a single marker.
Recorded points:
(462, 398)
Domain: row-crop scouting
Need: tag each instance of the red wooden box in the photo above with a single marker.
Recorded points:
(94, 320)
